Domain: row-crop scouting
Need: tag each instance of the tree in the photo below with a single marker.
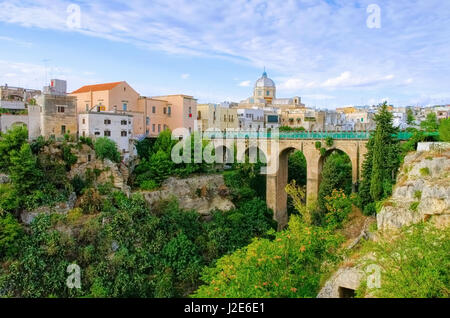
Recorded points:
(444, 130)
(336, 175)
(410, 119)
(430, 123)
(382, 160)
(297, 168)
(24, 172)
(106, 149)
(10, 234)
(12, 140)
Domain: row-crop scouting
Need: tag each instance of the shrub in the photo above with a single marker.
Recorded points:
(288, 266)
(418, 195)
(425, 171)
(106, 149)
(149, 185)
(329, 141)
(318, 145)
(91, 201)
(415, 264)
(444, 130)
(11, 233)
(413, 206)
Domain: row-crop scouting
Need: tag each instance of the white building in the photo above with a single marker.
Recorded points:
(250, 118)
(114, 125)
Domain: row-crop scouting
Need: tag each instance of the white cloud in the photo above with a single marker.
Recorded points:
(185, 76)
(312, 45)
(245, 84)
(15, 41)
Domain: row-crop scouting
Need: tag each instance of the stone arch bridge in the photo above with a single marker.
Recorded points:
(276, 148)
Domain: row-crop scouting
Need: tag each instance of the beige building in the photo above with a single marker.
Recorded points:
(180, 111)
(216, 116)
(57, 115)
(309, 119)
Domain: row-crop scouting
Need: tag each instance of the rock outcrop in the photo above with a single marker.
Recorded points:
(61, 208)
(203, 193)
(422, 192)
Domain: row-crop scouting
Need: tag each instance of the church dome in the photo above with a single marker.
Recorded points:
(264, 81)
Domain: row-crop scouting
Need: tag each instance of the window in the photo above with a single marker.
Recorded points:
(147, 131)
(199, 115)
(147, 121)
(63, 130)
(123, 133)
(84, 133)
(87, 107)
(124, 106)
(159, 127)
(259, 93)
(164, 110)
(268, 93)
(165, 127)
(153, 109)
(169, 110)
(153, 127)
(107, 133)
(224, 117)
(97, 133)
(60, 109)
(84, 120)
(123, 122)
(107, 121)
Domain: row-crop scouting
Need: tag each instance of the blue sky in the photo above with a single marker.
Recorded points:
(321, 50)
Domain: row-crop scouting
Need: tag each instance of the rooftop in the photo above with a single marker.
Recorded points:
(96, 88)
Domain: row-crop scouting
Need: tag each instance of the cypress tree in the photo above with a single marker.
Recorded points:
(382, 160)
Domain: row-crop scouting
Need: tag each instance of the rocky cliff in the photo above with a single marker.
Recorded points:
(422, 192)
(203, 193)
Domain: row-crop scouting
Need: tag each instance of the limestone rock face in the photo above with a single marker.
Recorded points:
(346, 278)
(203, 193)
(4, 178)
(422, 192)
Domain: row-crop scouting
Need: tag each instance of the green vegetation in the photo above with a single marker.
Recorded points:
(413, 207)
(431, 123)
(444, 130)
(336, 175)
(329, 141)
(287, 266)
(125, 250)
(105, 148)
(381, 162)
(410, 119)
(291, 129)
(415, 263)
(157, 165)
(424, 172)
(290, 265)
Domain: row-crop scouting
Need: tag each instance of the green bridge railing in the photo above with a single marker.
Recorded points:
(345, 135)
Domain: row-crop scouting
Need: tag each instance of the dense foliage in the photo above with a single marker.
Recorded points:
(288, 266)
(381, 161)
(126, 250)
(105, 148)
(156, 161)
(336, 175)
(414, 264)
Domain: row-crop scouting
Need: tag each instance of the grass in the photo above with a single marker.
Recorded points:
(418, 195)
(413, 206)
(425, 171)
